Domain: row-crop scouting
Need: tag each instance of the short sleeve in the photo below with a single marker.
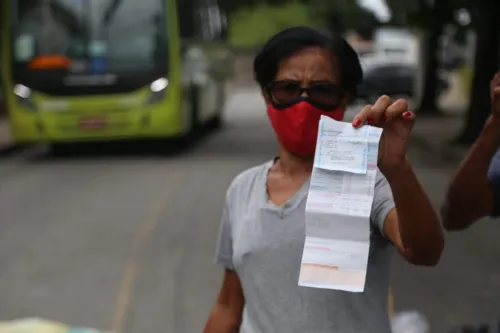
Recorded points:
(383, 202)
(224, 247)
(494, 178)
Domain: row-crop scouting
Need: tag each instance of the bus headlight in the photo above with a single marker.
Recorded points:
(23, 96)
(158, 89)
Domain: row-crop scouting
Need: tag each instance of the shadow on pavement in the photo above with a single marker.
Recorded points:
(238, 138)
(147, 148)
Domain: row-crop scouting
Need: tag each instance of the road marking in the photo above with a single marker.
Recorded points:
(390, 303)
(125, 293)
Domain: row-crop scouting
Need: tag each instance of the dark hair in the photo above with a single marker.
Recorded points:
(292, 40)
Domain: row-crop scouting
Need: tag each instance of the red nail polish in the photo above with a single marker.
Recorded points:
(407, 114)
(356, 123)
(384, 118)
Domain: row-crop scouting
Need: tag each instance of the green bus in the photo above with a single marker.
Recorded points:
(87, 70)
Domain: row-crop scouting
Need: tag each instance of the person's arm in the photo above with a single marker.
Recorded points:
(227, 312)
(473, 190)
(412, 224)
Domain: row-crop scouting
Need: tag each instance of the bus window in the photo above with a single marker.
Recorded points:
(122, 37)
(128, 35)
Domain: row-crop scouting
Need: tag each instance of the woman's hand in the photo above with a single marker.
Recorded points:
(413, 225)
(397, 123)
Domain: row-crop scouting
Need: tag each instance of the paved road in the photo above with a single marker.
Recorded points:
(125, 243)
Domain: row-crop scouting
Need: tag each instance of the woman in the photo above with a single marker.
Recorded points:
(303, 75)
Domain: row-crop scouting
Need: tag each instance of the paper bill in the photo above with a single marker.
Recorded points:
(342, 147)
(334, 264)
(339, 206)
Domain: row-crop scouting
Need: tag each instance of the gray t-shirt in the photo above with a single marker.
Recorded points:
(263, 243)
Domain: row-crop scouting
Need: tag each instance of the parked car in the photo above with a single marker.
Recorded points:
(452, 60)
(391, 79)
(387, 79)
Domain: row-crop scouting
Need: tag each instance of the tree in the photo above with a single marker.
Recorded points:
(338, 16)
(344, 15)
(438, 15)
(364, 22)
(487, 15)
(431, 17)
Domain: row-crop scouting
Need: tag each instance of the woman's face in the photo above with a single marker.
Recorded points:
(308, 67)
(306, 88)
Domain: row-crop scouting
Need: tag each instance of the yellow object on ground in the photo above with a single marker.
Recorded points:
(38, 325)
(32, 325)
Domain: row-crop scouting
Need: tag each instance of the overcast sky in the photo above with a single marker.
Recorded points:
(378, 7)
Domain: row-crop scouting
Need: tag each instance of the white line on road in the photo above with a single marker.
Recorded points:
(125, 294)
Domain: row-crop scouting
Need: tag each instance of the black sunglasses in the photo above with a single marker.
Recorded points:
(323, 95)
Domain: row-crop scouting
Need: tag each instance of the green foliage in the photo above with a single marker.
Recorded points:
(252, 22)
(343, 15)
(250, 27)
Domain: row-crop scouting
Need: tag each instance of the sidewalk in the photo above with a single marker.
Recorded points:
(433, 135)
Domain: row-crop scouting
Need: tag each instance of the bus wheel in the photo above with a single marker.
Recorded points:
(60, 149)
(195, 110)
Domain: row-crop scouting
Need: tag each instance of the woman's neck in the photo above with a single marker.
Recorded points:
(291, 165)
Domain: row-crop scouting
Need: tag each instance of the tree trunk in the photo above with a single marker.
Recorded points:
(428, 102)
(440, 14)
(485, 66)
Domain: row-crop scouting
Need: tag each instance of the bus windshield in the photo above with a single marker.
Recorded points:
(60, 38)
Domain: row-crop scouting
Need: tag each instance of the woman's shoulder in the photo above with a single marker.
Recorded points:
(248, 179)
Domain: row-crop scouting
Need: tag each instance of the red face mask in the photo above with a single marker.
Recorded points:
(297, 126)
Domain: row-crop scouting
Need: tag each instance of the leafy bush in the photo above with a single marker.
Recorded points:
(250, 27)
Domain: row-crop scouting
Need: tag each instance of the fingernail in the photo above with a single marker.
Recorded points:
(407, 114)
(356, 123)
(384, 118)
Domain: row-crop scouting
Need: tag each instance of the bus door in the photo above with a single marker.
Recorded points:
(202, 26)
